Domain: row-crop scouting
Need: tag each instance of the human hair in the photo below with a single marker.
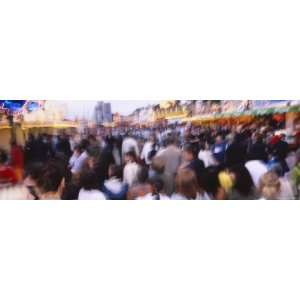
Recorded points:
(115, 171)
(158, 165)
(3, 157)
(157, 185)
(51, 176)
(269, 186)
(34, 170)
(243, 182)
(84, 144)
(190, 148)
(210, 180)
(186, 183)
(131, 155)
(170, 140)
(88, 180)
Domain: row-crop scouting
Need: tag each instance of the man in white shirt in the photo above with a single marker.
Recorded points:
(148, 147)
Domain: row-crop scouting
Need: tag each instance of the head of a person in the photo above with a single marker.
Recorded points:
(170, 140)
(256, 137)
(115, 171)
(51, 179)
(88, 180)
(186, 183)
(269, 186)
(157, 184)
(130, 156)
(84, 144)
(3, 157)
(211, 183)
(152, 138)
(219, 139)
(242, 180)
(189, 152)
(158, 165)
(77, 150)
(32, 175)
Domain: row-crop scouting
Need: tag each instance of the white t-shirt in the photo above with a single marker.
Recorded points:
(130, 175)
(91, 195)
(146, 151)
(207, 157)
(256, 169)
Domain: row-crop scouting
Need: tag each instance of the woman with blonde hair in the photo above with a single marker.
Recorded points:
(269, 186)
(187, 187)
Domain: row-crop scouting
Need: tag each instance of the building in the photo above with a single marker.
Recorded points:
(103, 113)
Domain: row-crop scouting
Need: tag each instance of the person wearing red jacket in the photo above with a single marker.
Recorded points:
(7, 174)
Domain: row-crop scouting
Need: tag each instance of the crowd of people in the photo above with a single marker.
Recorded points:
(175, 162)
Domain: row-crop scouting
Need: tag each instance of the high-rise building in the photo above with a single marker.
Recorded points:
(103, 113)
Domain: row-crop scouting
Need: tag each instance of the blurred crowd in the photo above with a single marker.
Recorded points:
(230, 162)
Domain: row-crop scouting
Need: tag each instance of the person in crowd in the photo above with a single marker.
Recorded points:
(187, 187)
(171, 156)
(76, 153)
(156, 193)
(236, 150)
(219, 149)
(32, 175)
(191, 161)
(269, 186)
(157, 170)
(30, 149)
(256, 168)
(142, 187)
(286, 187)
(212, 184)
(16, 192)
(243, 185)
(104, 160)
(150, 149)
(63, 146)
(81, 159)
(116, 153)
(257, 149)
(89, 184)
(114, 188)
(281, 149)
(17, 160)
(130, 145)
(131, 169)
(206, 155)
(50, 184)
(8, 175)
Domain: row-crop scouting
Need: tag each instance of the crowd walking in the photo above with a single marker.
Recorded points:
(162, 163)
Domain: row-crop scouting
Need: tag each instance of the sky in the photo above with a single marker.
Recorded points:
(86, 108)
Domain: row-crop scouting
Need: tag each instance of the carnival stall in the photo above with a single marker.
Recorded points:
(19, 118)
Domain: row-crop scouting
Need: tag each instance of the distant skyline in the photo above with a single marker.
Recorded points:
(85, 108)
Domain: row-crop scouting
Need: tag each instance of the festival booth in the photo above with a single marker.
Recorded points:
(230, 112)
(171, 112)
(19, 118)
